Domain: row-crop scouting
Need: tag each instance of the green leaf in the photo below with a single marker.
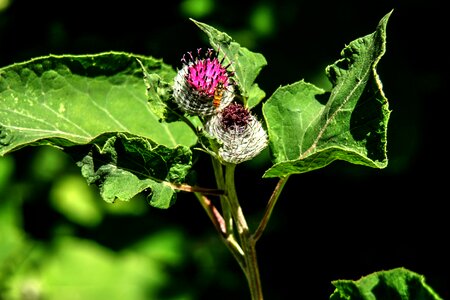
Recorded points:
(97, 105)
(158, 92)
(71, 99)
(122, 166)
(398, 283)
(309, 128)
(245, 64)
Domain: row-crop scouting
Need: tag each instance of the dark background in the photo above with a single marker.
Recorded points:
(340, 222)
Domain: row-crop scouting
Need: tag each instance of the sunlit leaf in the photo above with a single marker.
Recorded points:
(308, 128)
(68, 100)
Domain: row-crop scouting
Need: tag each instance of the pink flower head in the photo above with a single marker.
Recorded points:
(203, 85)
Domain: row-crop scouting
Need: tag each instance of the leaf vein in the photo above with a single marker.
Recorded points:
(65, 119)
(332, 116)
(117, 122)
(47, 131)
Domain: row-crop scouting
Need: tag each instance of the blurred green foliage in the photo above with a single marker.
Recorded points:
(197, 8)
(66, 242)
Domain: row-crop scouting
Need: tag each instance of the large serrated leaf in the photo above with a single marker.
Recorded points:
(245, 64)
(308, 128)
(398, 283)
(122, 166)
(71, 99)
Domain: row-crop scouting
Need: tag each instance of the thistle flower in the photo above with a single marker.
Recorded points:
(241, 134)
(203, 85)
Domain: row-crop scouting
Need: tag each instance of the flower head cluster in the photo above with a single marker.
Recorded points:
(203, 85)
(241, 134)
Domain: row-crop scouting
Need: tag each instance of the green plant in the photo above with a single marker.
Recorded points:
(134, 125)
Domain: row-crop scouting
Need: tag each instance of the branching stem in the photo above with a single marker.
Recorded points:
(269, 208)
(232, 225)
(247, 242)
(220, 180)
(219, 223)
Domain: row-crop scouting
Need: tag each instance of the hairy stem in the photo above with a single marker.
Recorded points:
(213, 214)
(246, 239)
(219, 223)
(220, 181)
(194, 189)
(269, 208)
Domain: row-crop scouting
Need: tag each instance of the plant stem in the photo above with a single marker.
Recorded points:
(213, 214)
(193, 189)
(220, 181)
(247, 242)
(270, 205)
(219, 224)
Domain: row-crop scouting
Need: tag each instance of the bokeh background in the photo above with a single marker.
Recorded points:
(59, 240)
